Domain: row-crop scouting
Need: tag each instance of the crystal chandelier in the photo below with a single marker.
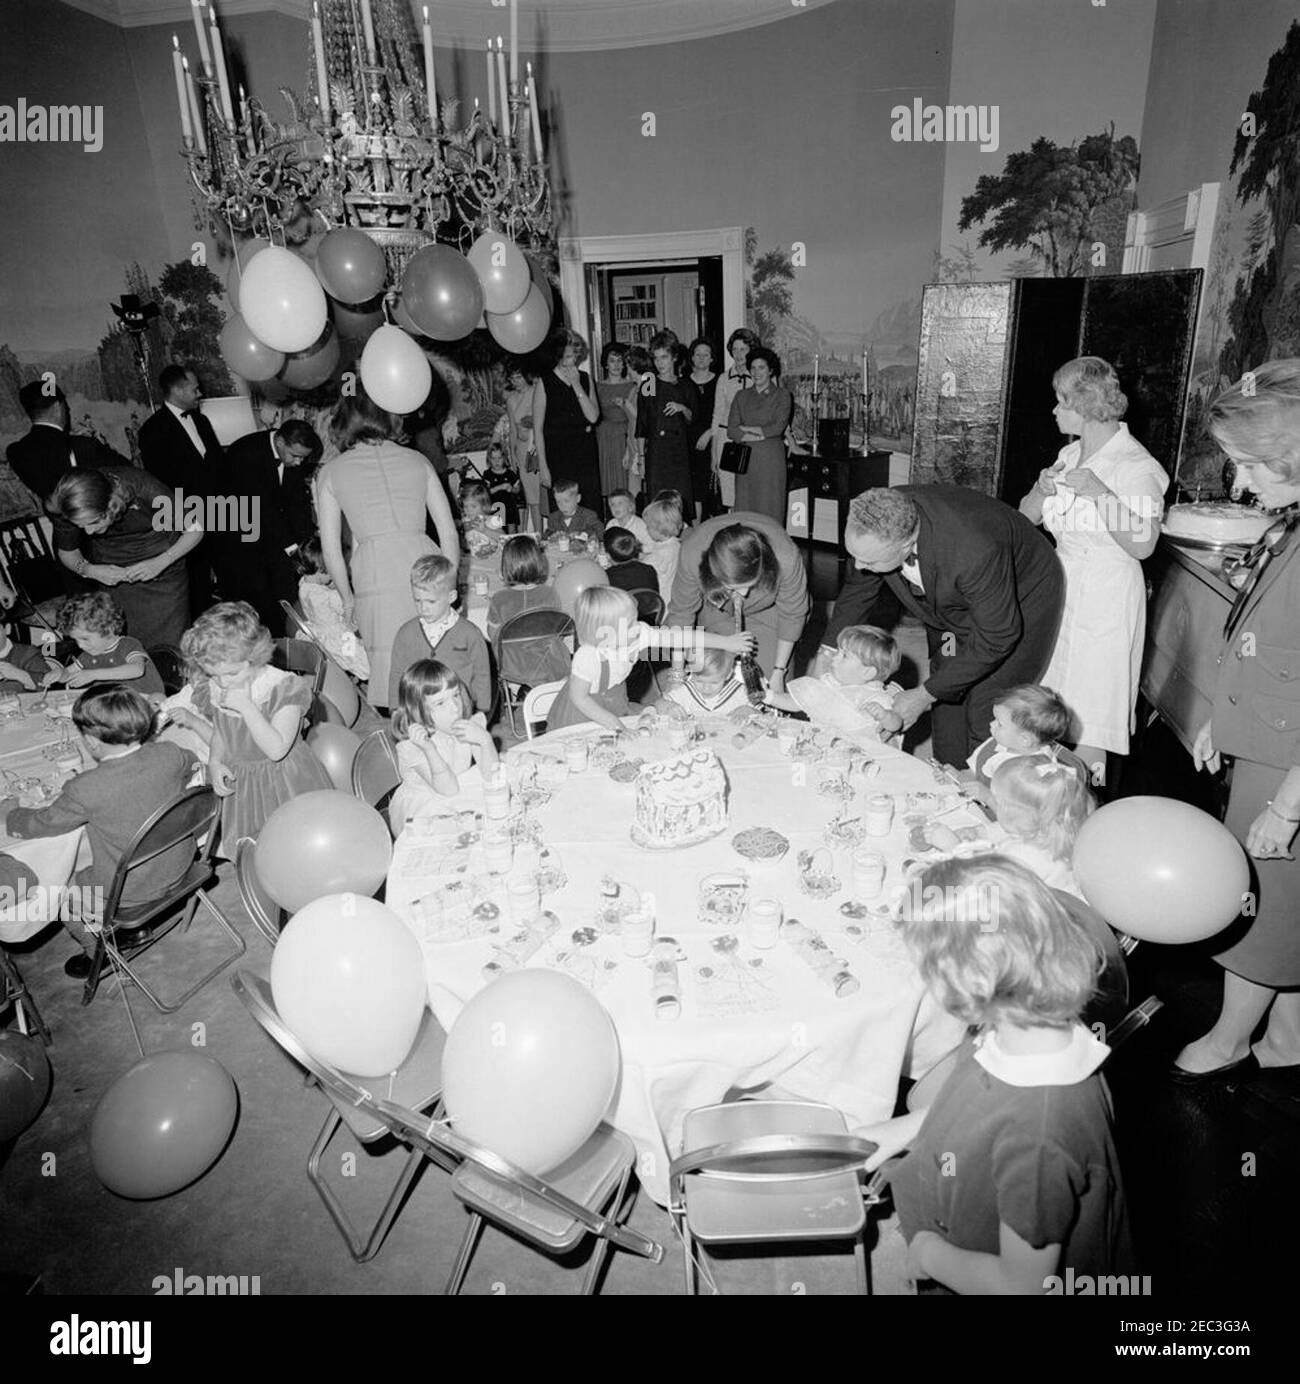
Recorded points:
(370, 147)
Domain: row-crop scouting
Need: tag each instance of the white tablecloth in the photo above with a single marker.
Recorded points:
(33, 778)
(748, 1018)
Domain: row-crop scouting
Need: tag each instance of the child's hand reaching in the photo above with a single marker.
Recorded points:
(223, 779)
(78, 677)
(890, 721)
(18, 675)
(417, 734)
(53, 676)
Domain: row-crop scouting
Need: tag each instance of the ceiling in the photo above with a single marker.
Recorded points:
(568, 25)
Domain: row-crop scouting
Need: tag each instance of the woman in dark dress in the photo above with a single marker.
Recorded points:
(705, 379)
(565, 412)
(759, 417)
(663, 423)
(137, 545)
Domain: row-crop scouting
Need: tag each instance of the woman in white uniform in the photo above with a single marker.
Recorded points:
(1102, 501)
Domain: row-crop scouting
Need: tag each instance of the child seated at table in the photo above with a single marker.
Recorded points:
(322, 610)
(439, 632)
(626, 570)
(710, 687)
(23, 668)
(97, 626)
(568, 516)
(1041, 804)
(1026, 720)
(133, 777)
(664, 524)
(438, 737)
(865, 657)
(1023, 1122)
(610, 638)
(478, 513)
(525, 573)
(623, 515)
(502, 481)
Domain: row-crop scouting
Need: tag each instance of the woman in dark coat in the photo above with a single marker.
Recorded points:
(663, 424)
(704, 377)
(137, 543)
(1256, 720)
(565, 412)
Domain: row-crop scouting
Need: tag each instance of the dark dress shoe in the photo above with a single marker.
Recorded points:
(1243, 1067)
(78, 967)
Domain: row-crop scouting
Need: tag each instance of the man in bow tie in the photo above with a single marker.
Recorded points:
(180, 447)
(984, 581)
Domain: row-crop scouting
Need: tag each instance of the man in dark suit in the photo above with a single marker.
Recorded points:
(254, 538)
(49, 451)
(984, 580)
(179, 446)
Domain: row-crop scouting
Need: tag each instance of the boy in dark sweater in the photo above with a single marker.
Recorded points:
(132, 778)
(569, 516)
(438, 632)
(625, 571)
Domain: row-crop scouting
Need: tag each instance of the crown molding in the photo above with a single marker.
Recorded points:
(569, 25)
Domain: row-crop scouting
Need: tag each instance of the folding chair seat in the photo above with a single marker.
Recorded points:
(127, 931)
(266, 914)
(767, 1172)
(532, 649)
(590, 1194)
(417, 1083)
(334, 684)
(375, 775)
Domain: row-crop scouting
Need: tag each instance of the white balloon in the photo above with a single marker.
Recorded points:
(394, 371)
(282, 301)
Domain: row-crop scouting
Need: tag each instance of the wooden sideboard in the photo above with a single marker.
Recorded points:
(1188, 605)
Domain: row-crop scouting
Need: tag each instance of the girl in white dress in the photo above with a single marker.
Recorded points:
(1102, 501)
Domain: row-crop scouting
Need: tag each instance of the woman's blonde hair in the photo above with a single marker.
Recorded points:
(1090, 386)
(1259, 418)
(993, 943)
(228, 633)
(86, 496)
(1043, 801)
(601, 613)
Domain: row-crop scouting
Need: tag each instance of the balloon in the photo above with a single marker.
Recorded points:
(525, 328)
(163, 1124)
(25, 1078)
(530, 1068)
(282, 300)
(248, 357)
(327, 714)
(324, 842)
(336, 747)
(310, 369)
(501, 269)
(234, 275)
(356, 323)
(395, 372)
(405, 320)
(539, 277)
(347, 976)
(574, 578)
(442, 293)
(350, 266)
(1161, 870)
(341, 693)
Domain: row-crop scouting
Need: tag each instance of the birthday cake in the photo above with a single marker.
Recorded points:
(680, 801)
(1216, 523)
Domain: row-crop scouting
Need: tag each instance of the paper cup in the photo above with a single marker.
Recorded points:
(763, 923)
(638, 932)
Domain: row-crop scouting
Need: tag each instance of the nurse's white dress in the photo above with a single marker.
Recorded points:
(1098, 656)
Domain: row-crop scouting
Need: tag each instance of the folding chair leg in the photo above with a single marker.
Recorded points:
(620, 1206)
(362, 1251)
(861, 1263)
(15, 992)
(197, 900)
(464, 1255)
(96, 971)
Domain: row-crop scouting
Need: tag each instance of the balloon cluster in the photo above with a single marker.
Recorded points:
(294, 312)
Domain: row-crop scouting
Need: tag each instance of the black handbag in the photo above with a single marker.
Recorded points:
(735, 458)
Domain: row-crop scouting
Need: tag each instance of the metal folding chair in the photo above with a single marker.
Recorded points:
(337, 685)
(127, 931)
(266, 914)
(13, 990)
(375, 775)
(650, 605)
(417, 1082)
(531, 649)
(767, 1172)
(590, 1194)
(537, 705)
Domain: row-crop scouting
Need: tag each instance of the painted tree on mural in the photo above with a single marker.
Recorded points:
(1056, 201)
(1265, 311)
(772, 279)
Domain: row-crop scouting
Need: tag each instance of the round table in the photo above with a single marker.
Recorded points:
(748, 1019)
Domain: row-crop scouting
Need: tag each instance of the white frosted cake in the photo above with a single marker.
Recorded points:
(1221, 523)
(680, 801)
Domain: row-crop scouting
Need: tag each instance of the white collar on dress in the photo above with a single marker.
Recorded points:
(1066, 1067)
